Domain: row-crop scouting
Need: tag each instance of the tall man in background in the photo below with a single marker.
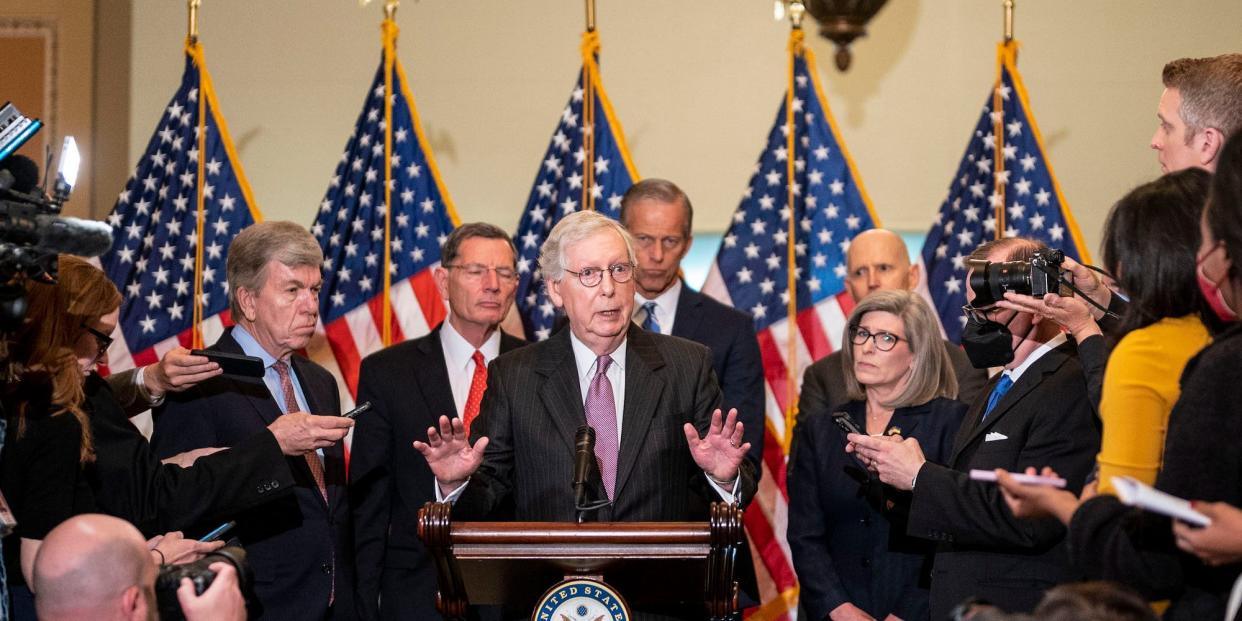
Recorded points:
(410, 386)
(877, 260)
(1200, 107)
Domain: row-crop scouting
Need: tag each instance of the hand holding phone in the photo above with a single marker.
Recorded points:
(233, 364)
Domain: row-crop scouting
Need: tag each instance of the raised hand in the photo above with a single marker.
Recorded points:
(178, 370)
(720, 452)
(1032, 501)
(449, 454)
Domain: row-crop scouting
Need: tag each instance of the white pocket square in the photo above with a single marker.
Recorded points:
(994, 436)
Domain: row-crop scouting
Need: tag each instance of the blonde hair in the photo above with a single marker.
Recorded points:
(931, 374)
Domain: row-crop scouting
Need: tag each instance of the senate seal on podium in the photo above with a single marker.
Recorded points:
(581, 600)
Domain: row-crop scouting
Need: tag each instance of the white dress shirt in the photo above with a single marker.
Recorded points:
(665, 309)
(459, 358)
(1039, 352)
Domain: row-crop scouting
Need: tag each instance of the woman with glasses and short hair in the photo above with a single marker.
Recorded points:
(847, 530)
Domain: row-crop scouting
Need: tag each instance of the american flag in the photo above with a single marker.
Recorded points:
(586, 165)
(155, 226)
(350, 229)
(751, 272)
(1004, 183)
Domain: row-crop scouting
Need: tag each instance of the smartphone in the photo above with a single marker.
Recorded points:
(358, 410)
(846, 423)
(233, 364)
(218, 532)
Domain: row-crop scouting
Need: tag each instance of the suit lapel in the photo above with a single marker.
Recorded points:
(432, 370)
(254, 389)
(1031, 378)
(686, 318)
(643, 389)
(560, 392)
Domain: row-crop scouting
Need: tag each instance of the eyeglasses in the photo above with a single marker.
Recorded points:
(591, 276)
(979, 315)
(476, 272)
(884, 341)
(102, 340)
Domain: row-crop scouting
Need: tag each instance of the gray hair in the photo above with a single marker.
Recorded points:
(572, 229)
(661, 190)
(931, 375)
(471, 230)
(260, 243)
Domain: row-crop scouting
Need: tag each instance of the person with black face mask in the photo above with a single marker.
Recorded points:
(1036, 411)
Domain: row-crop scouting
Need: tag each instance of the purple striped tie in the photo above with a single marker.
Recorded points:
(601, 413)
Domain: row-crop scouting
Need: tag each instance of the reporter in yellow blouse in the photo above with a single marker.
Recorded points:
(1150, 239)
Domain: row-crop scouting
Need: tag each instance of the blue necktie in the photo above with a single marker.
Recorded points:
(999, 391)
(650, 324)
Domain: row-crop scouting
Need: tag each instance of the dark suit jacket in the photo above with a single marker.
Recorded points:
(823, 383)
(408, 386)
(730, 334)
(847, 530)
(533, 407)
(292, 543)
(1046, 419)
(130, 482)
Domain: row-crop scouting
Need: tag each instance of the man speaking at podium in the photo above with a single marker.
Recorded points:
(663, 450)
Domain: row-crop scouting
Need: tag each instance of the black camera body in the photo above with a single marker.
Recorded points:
(202, 575)
(1037, 277)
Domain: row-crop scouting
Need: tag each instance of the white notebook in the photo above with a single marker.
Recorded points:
(1138, 494)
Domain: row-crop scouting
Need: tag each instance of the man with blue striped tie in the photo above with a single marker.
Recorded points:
(1035, 412)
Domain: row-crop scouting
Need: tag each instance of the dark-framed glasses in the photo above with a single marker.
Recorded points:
(103, 341)
(979, 315)
(475, 271)
(592, 276)
(884, 341)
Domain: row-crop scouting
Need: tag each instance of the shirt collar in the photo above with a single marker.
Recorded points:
(458, 351)
(584, 358)
(1039, 352)
(666, 302)
(250, 346)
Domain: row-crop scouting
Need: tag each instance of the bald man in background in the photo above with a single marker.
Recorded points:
(98, 567)
(877, 260)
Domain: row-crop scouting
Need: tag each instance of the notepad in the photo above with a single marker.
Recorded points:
(1138, 494)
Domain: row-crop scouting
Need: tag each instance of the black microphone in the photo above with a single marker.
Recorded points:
(584, 456)
(24, 225)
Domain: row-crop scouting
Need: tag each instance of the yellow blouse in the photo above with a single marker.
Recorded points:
(1141, 384)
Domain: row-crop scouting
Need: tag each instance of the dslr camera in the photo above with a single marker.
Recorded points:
(1038, 276)
(200, 573)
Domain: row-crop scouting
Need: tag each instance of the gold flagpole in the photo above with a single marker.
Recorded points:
(796, 11)
(196, 329)
(588, 109)
(1008, 20)
(390, 53)
(998, 122)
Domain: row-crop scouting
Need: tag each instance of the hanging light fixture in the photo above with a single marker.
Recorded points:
(842, 21)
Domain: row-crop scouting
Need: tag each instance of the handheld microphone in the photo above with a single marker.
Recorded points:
(584, 456)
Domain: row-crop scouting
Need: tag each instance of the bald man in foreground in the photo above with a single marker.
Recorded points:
(98, 567)
(877, 260)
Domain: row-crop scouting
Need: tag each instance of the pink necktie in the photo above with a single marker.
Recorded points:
(601, 413)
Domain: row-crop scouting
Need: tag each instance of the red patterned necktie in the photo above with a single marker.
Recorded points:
(478, 385)
(291, 405)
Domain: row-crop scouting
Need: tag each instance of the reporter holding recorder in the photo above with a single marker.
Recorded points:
(1201, 460)
(847, 529)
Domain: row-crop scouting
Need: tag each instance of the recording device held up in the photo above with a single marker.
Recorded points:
(1037, 277)
(202, 575)
(32, 231)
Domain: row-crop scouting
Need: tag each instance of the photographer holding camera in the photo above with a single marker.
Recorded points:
(1035, 412)
(98, 567)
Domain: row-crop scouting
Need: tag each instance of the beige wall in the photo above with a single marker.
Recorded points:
(696, 85)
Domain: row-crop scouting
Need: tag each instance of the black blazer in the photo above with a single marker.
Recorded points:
(730, 334)
(1046, 419)
(847, 530)
(1201, 462)
(533, 407)
(408, 387)
(292, 542)
(131, 483)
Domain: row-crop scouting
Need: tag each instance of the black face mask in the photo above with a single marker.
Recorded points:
(987, 343)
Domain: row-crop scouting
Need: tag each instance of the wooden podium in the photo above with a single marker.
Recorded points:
(648, 563)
